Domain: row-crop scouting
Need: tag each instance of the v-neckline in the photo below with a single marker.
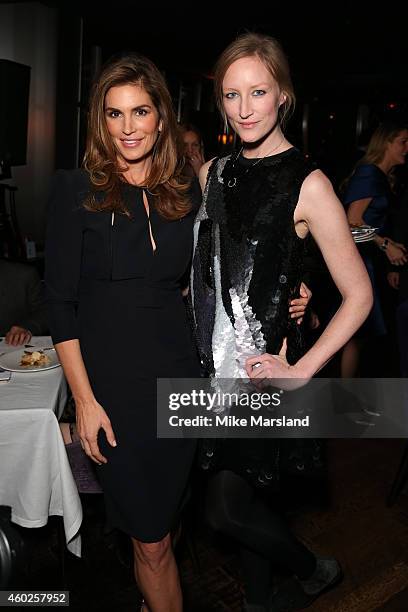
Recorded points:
(147, 209)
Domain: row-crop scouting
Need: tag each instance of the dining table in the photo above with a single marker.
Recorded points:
(36, 480)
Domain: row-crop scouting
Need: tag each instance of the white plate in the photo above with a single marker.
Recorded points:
(364, 233)
(11, 360)
(364, 238)
(362, 229)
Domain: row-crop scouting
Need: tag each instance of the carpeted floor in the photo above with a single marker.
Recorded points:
(353, 523)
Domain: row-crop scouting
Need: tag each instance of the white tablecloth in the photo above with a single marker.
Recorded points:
(35, 475)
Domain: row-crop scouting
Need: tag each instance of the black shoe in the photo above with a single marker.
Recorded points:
(295, 594)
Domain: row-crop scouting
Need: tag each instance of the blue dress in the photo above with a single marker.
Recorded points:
(368, 181)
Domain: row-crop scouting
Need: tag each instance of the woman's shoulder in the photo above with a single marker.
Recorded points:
(76, 181)
(293, 167)
(69, 189)
(316, 183)
(194, 193)
(291, 160)
(370, 174)
(367, 171)
(77, 178)
(367, 181)
(208, 167)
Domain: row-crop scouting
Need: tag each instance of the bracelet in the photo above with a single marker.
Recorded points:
(384, 244)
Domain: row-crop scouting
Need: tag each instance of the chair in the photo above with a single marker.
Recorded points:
(82, 467)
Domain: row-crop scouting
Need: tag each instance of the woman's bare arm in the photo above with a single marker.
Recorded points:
(324, 216)
(90, 415)
(356, 211)
(395, 251)
(202, 176)
(322, 213)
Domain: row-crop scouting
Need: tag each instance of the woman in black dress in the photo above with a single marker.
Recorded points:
(119, 241)
(259, 205)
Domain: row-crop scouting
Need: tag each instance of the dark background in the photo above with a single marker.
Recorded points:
(348, 65)
(348, 61)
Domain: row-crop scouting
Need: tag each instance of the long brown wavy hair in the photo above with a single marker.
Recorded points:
(269, 51)
(164, 181)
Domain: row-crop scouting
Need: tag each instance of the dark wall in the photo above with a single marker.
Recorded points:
(69, 59)
(15, 91)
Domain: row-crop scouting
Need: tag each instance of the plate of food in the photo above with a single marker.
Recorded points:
(30, 359)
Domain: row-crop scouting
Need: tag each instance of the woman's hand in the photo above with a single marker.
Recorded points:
(298, 306)
(262, 369)
(396, 253)
(17, 336)
(314, 320)
(91, 417)
(196, 161)
(393, 279)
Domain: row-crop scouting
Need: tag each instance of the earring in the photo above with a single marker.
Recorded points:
(226, 126)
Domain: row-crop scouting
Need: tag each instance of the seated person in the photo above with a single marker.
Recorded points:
(22, 308)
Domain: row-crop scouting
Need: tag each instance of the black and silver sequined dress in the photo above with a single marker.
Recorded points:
(248, 265)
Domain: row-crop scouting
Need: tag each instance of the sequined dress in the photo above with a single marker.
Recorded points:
(248, 265)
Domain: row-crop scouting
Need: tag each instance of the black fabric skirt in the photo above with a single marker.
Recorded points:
(130, 336)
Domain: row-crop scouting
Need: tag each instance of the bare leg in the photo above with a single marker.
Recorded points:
(157, 576)
(350, 358)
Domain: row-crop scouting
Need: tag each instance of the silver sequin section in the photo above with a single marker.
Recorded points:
(232, 345)
(220, 168)
(202, 216)
(225, 355)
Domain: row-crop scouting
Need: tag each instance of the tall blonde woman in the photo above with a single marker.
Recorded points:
(260, 203)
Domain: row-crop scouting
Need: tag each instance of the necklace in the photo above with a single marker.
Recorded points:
(233, 181)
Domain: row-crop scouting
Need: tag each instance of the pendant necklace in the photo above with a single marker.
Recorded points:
(233, 181)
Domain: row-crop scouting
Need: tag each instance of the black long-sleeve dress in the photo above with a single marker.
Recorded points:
(107, 288)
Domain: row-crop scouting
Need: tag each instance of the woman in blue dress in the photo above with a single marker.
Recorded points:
(368, 198)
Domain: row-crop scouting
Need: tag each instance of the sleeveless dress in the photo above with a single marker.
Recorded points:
(107, 288)
(247, 266)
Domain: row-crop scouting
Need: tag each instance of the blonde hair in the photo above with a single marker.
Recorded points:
(100, 160)
(385, 133)
(269, 51)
